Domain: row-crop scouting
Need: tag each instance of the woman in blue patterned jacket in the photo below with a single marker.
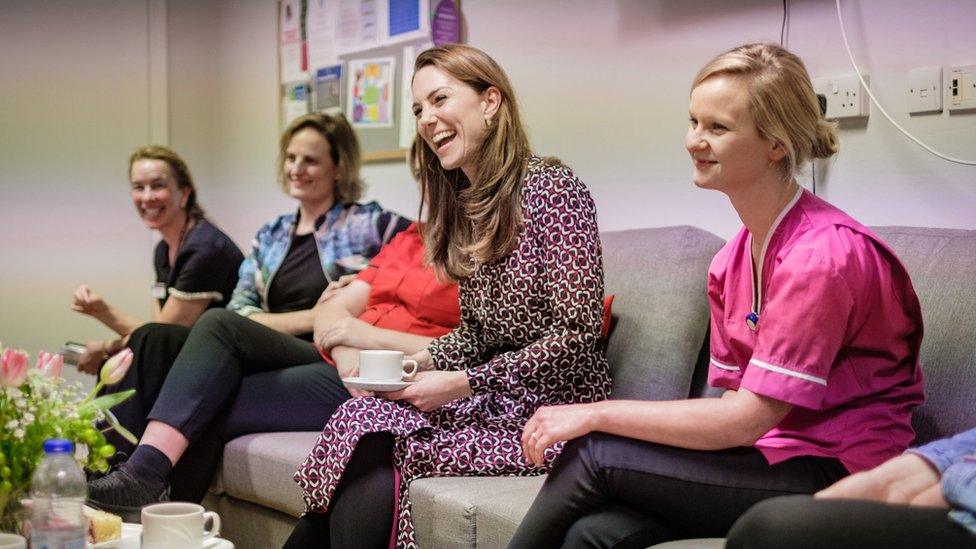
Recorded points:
(263, 337)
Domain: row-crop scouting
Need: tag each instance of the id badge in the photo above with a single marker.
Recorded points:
(159, 290)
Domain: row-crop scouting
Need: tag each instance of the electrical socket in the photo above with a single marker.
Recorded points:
(925, 90)
(846, 97)
(961, 91)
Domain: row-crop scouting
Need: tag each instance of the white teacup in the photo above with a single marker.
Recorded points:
(12, 541)
(174, 525)
(385, 366)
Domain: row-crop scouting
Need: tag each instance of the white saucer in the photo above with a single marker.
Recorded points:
(380, 385)
(132, 539)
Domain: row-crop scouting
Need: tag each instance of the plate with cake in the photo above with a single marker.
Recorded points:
(107, 531)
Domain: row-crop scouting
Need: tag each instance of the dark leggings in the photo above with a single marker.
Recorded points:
(233, 377)
(154, 348)
(801, 522)
(609, 491)
(361, 511)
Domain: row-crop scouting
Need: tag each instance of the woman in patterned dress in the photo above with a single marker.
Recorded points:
(519, 233)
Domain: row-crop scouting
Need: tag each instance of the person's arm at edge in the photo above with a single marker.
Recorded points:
(736, 420)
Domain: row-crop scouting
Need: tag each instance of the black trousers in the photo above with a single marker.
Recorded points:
(801, 522)
(609, 491)
(231, 377)
(154, 348)
(361, 512)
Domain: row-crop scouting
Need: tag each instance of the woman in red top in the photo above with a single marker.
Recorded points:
(396, 303)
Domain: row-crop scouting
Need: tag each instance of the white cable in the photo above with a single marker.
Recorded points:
(843, 34)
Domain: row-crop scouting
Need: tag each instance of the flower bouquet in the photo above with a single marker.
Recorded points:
(37, 404)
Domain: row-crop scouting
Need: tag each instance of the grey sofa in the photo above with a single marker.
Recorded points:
(657, 350)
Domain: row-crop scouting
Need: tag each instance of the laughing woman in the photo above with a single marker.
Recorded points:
(815, 332)
(195, 262)
(519, 232)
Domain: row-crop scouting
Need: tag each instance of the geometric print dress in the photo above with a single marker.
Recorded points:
(529, 336)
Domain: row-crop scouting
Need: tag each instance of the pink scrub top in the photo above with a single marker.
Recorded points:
(833, 328)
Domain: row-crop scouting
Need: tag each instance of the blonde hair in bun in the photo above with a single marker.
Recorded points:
(781, 100)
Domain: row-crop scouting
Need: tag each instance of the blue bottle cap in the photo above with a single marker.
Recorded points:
(58, 446)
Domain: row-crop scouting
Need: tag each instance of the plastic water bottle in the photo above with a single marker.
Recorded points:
(58, 489)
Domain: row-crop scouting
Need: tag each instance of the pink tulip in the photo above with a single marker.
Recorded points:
(115, 367)
(49, 364)
(13, 368)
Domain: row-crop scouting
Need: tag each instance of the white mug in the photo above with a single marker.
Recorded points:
(12, 541)
(385, 366)
(176, 524)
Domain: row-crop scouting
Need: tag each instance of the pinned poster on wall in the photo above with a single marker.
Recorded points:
(356, 57)
(295, 103)
(408, 20)
(291, 41)
(371, 92)
(328, 86)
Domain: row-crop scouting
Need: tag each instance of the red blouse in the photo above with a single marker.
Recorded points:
(404, 294)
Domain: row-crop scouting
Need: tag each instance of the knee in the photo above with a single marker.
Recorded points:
(217, 317)
(146, 333)
(770, 523)
(216, 322)
(594, 450)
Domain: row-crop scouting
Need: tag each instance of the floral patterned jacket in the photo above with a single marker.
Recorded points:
(347, 236)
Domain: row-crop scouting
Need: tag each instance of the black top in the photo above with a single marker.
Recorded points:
(299, 281)
(205, 267)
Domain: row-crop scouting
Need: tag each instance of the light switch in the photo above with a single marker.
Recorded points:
(925, 90)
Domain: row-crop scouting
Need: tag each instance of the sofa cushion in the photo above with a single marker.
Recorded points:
(659, 278)
(470, 511)
(258, 468)
(942, 264)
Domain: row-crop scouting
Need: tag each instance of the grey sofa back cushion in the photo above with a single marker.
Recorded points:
(660, 309)
(942, 264)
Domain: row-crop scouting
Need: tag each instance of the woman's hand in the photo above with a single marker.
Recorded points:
(334, 287)
(94, 356)
(349, 332)
(424, 362)
(85, 301)
(907, 479)
(552, 424)
(433, 390)
(347, 364)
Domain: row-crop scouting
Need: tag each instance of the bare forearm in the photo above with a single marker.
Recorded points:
(294, 323)
(698, 424)
(327, 315)
(381, 338)
(118, 321)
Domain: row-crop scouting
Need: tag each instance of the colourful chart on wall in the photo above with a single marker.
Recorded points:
(371, 92)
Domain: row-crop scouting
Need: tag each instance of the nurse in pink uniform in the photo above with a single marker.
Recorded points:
(815, 333)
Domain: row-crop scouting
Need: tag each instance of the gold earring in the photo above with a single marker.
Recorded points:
(487, 123)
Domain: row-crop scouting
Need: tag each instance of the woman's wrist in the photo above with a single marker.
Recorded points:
(595, 416)
(462, 388)
(105, 349)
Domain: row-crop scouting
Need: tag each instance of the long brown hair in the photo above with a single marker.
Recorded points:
(344, 151)
(781, 100)
(472, 222)
(180, 171)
